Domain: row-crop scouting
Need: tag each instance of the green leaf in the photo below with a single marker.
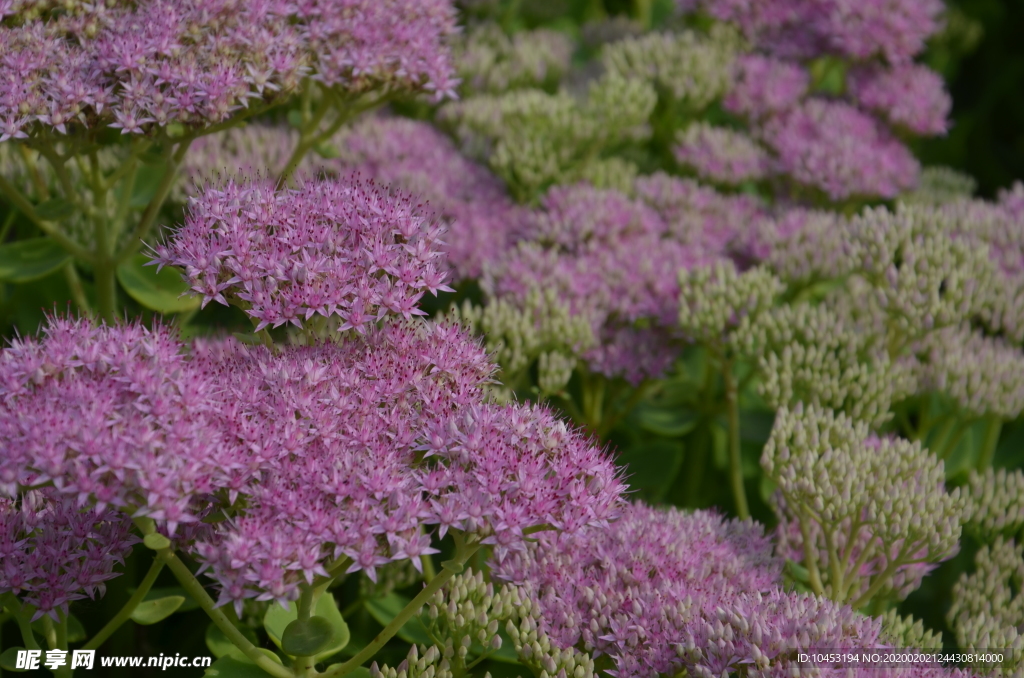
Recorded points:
(306, 637)
(9, 659)
(229, 667)
(295, 118)
(767, 487)
(359, 672)
(387, 608)
(670, 423)
(156, 541)
(55, 210)
(328, 151)
(147, 181)
(152, 611)
(164, 591)
(31, 259)
(651, 467)
(157, 291)
(277, 619)
(76, 632)
(220, 646)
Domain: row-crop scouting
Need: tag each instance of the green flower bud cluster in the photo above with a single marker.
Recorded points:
(611, 173)
(923, 277)
(715, 299)
(536, 650)
(534, 140)
(939, 185)
(467, 613)
(907, 632)
(542, 331)
(489, 60)
(870, 511)
(807, 353)
(995, 503)
(983, 375)
(987, 611)
(689, 67)
(430, 664)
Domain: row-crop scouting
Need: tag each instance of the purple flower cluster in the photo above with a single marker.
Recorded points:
(372, 440)
(615, 261)
(345, 248)
(113, 417)
(53, 552)
(482, 220)
(824, 82)
(911, 96)
(893, 29)
(134, 65)
(662, 591)
(835, 147)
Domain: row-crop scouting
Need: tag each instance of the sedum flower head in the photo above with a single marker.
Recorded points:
(489, 60)
(133, 66)
(983, 375)
(115, 417)
(802, 246)
(987, 609)
(541, 331)
(995, 503)
(867, 513)
(910, 96)
(53, 552)
(715, 299)
(482, 221)
(610, 260)
(368, 441)
(633, 590)
(765, 85)
(344, 248)
(924, 276)
(938, 185)
(808, 353)
(907, 632)
(688, 67)
(722, 155)
(893, 29)
(534, 140)
(833, 147)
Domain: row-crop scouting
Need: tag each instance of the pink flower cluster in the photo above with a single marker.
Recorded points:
(53, 552)
(482, 220)
(114, 416)
(135, 65)
(830, 132)
(635, 590)
(854, 29)
(840, 150)
(374, 439)
(615, 261)
(345, 248)
(910, 96)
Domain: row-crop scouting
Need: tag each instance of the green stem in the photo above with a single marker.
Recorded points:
(77, 291)
(8, 222)
(939, 445)
(463, 552)
(163, 189)
(21, 203)
(879, 582)
(21, 617)
(62, 643)
(993, 427)
(192, 586)
(739, 492)
(50, 633)
(810, 557)
(304, 665)
(129, 607)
